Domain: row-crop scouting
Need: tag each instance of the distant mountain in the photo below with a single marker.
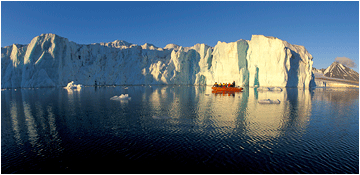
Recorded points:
(321, 71)
(338, 70)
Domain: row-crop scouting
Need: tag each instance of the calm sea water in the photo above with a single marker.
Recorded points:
(179, 129)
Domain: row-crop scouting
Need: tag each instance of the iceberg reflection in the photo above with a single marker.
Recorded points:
(31, 125)
(268, 121)
(15, 121)
(198, 106)
(33, 120)
(173, 109)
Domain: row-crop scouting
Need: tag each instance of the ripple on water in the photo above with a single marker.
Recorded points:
(177, 131)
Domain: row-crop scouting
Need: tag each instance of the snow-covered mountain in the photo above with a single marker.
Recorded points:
(50, 60)
(336, 75)
(319, 71)
(338, 70)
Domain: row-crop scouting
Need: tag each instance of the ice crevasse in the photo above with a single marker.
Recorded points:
(50, 60)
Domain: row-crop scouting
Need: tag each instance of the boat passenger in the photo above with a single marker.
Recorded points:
(233, 84)
(228, 85)
(216, 85)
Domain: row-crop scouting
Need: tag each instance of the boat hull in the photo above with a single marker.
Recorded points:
(227, 89)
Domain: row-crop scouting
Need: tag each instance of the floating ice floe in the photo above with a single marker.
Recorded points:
(73, 86)
(268, 101)
(269, 89)
(121, 97)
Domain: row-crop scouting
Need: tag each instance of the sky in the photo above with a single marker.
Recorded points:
(327, 29)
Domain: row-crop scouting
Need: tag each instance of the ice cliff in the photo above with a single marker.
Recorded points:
(50, 60)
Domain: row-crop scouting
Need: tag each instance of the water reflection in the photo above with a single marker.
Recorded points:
(32, 120)
(15, 122)
(239, 111)
(54, 140)
(30, 123)
(73, 100)
(340, 100)
(186, 106)
(336, 95)
(156, 99)
(49, 122)
(271, 120)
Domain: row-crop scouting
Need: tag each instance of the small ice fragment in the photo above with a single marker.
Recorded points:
(275, 89)
(121, 97)
(269, 89)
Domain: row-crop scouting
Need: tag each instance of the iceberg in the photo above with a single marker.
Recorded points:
(50, 60)
(273, 62)
(121, 97)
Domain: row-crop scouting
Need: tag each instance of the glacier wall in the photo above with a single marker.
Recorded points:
(50, 60)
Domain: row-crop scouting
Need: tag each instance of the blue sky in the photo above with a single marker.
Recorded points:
(326, 29)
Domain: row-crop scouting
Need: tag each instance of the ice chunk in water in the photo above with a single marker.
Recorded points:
(268, 101)
(269, 89)
(121, 97)
(73, 86)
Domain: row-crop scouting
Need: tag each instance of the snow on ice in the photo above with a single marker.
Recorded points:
(50, 60)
